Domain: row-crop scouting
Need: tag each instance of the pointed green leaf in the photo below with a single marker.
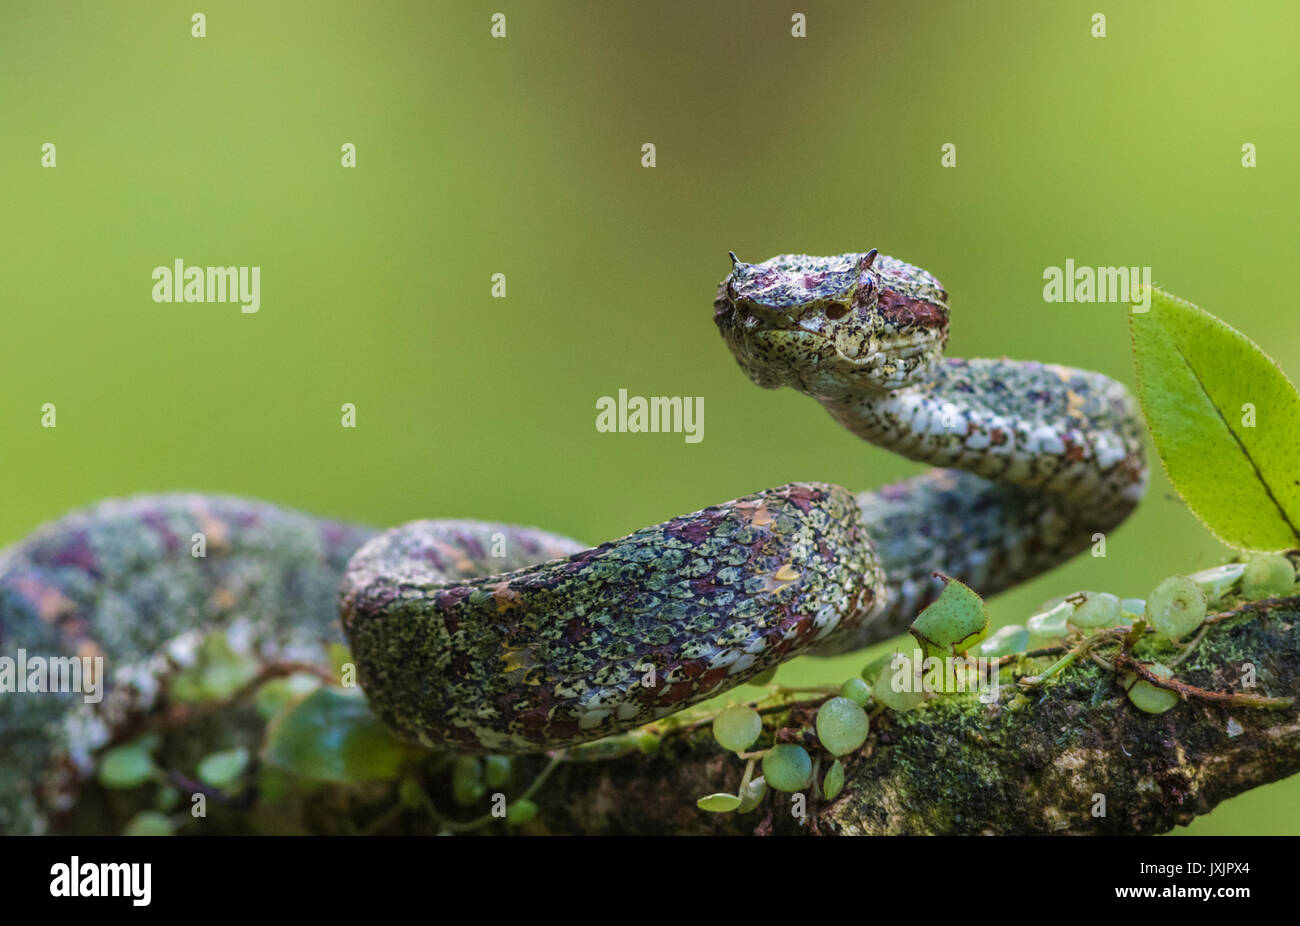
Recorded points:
(148, 823)
(1226, 422)
(833, 783)
(127, 766)
(718, 803)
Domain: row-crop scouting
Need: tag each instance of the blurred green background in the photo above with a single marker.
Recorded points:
(522, 156)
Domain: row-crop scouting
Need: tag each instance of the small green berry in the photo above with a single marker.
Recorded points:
(787, 767)
(857, 691)
(1268, 575)
(1176, 607)
(737, 728)
(842, 726)
(1135, 606)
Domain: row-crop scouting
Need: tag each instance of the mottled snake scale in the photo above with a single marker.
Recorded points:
(493, 638)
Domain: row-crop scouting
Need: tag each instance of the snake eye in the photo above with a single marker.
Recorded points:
(836, 311)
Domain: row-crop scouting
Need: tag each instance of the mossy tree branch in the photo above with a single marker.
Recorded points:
(958, 766)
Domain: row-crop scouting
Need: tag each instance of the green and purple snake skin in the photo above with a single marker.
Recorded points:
(493, 638)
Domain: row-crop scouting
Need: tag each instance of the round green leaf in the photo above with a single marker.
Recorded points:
(1268, 575)
(333, 736)
(467, 787)
(856, 690)
(900, 685)
(148, 823)
(221, 768)
(496, 771)
(737, 728)
(1135, 606)
(842, 726)
(410, 793)
(1176, 607)
(787, 767)
(127, 766)
(648, 742)
(1097, 609)
(520, 812)
(871, 671)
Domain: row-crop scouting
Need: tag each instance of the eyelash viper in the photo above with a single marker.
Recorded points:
(489, 637)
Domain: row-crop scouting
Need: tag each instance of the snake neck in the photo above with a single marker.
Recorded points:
(1055, 429)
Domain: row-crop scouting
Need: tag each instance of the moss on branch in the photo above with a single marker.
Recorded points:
(1071, 756)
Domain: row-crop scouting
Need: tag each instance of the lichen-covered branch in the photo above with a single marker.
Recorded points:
(1077, 758)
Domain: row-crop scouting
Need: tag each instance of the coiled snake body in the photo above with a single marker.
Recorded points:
(489, 637)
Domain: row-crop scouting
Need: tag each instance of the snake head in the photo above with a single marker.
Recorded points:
(833, 326)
